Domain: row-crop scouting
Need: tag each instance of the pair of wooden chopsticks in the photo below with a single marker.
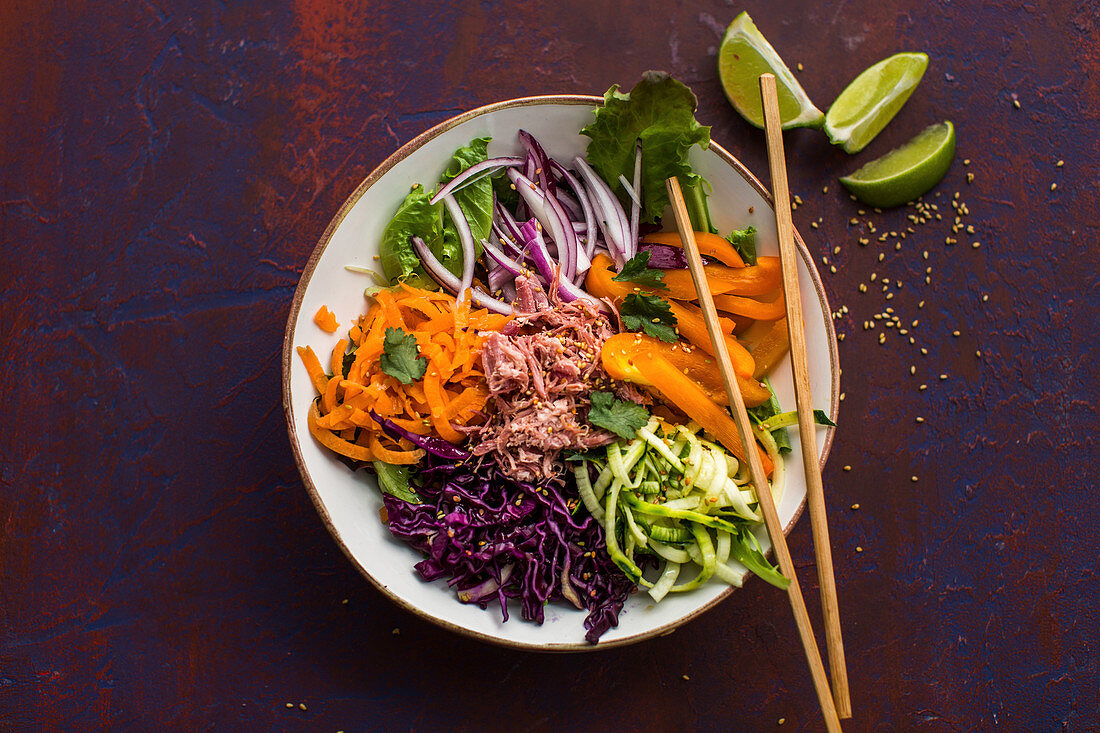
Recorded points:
(836, 705)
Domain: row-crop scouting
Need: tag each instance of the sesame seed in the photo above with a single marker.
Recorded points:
(920, 419)
(1053, 186)
(1060, 163)
(943, 377)
(847, 468)
(1016, 103)
(290, 704)
(685, 677)
(855, 506)
(955, 334)
(978, 353)
(985, 298)
(859, 549)
(923, 387)
(969, 177)
(841, 396)
(975, 245)
(302, 705)
(914, 479)
(912, 369)
(966, 162)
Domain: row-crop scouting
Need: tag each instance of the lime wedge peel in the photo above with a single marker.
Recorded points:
(905, 173)
(743, 56)
(872, 99)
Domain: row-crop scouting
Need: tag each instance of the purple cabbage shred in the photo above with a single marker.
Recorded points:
(496, 539)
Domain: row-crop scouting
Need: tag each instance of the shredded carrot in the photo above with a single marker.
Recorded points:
(451, 393)
(326, 319)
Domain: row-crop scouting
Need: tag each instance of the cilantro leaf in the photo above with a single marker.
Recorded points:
(621, 418)
(650, 314)
(401, 357)
(637, 270)
(744, 241)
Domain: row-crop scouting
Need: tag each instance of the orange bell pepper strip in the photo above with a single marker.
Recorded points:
(689, 319)
(763, 277)
(627, 358)
(771, 349)
(701, 368)
(710, 245)
(750, 308)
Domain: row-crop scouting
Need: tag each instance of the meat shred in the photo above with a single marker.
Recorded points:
(541, 369)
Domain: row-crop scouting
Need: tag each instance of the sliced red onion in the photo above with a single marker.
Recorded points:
(571, 205)
(666, 256)
(498, 278)
(500, 259)
(586, 207)
(447, 279)
(511, 229)
(549, 270)
(466, 239)
(609, 212)
(555, 221)
(464, 178)
(541, 168)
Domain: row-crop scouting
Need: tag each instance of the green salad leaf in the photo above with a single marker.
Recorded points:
(621, 418)
(649, 314)
(744, 241)
(637, 270)
(659, 111)
(394, 480)
(401, 357)
(416, 216)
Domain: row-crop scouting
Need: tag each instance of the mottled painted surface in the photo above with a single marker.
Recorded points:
(165, 172)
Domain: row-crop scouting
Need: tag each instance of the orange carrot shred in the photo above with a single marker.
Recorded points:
(326, 319)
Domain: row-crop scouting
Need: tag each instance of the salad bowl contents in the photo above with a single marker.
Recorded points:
(527, 396)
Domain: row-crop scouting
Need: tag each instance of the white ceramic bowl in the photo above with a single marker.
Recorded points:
(349, 502)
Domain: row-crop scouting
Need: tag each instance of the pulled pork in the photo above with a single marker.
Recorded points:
(541, 369)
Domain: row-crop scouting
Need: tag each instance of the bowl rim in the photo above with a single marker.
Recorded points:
(288, 349)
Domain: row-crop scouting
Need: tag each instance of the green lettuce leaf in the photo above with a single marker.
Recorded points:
(660, 112)
(744, 241)
(417, 217)
(394, 480)
(397, 256)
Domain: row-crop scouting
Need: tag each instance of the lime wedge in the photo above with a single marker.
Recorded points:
(743, 56)
(872, 100)
(907, 172)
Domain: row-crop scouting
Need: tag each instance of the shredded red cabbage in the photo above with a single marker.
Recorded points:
(494, 538)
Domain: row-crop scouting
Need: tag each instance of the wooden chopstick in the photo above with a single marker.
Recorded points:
(756, 468)
(815, 494)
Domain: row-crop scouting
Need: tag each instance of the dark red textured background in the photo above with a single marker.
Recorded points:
(165, 171)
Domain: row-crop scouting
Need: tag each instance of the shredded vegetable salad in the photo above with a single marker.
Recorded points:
(534, 385)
